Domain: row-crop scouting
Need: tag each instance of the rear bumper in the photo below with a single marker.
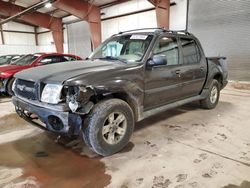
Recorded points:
(58, 121)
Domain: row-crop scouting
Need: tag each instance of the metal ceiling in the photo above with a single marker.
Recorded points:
(53, 11)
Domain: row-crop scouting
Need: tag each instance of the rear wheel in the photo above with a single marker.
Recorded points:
(9, 86)
(109, 126)
(213, 97)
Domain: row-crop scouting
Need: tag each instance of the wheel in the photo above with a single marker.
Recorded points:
(9, 86)
(213, 97)
(85, 133)
(109, 126)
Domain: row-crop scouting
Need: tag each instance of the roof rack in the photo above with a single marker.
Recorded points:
(153, 28)
(159, 29)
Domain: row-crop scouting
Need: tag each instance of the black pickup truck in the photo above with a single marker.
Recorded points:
(129, 77)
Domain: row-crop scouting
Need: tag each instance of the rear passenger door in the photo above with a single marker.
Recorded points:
(193, 69)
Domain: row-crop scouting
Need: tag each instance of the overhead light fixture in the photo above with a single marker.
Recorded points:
(48, 5)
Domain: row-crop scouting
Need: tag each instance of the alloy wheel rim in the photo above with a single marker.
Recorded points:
(114, 128)
(214, 94)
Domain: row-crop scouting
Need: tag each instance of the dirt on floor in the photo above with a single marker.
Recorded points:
(244, 184)
(241, 86)
(51, 164)
(186, 147)
(12, 122)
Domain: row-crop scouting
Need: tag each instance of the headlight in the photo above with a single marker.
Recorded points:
(51, 93)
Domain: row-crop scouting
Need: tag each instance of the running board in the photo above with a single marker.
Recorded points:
(170, 106)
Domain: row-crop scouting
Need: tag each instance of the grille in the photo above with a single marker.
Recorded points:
(26, 89)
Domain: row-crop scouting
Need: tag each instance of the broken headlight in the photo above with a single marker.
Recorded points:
(52, 93)
(78, 96)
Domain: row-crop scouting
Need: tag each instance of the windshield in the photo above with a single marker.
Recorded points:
(126, 48)
(5, 59)
(26, 60)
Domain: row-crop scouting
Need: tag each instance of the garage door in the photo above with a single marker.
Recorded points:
(79, 39)
(223, 27)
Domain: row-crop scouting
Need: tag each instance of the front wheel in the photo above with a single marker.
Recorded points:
(212, 99)
(109, 126)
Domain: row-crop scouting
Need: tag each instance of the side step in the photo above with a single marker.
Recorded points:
(169, 106)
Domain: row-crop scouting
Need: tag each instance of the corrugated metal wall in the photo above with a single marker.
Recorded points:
(79, 40)
(223, 27)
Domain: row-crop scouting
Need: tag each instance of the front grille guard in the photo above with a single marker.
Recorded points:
(27, 94)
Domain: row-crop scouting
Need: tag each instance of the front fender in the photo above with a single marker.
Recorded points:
(127, 90)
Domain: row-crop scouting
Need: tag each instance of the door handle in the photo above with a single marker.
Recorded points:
(202, 69)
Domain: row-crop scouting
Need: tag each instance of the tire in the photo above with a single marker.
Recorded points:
(213, 97)
(9, 87)
(108, 127)
(85, 134)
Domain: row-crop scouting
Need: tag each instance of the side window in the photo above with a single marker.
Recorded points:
(168, 47)
(190, 51)
(50, 60)
(68, 58)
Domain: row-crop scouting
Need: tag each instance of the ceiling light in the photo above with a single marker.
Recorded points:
(48, 5)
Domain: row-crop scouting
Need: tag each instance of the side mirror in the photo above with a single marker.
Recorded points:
(157, 60)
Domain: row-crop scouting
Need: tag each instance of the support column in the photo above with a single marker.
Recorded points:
(58, 39)
(36, 36)
(57, 33)
(2, 36)
(85, 11)
(162, 9)
(94, 20)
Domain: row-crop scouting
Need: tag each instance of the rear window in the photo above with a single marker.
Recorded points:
(69, 58)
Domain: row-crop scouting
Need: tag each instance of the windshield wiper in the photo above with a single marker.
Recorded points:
(113, 58)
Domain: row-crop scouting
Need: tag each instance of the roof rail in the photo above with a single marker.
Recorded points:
(183, 32)
(153, 28)
(159, 29)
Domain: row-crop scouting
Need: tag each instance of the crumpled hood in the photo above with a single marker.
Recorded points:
(61, 72)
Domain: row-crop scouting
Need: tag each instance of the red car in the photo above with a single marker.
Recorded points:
(32, 60)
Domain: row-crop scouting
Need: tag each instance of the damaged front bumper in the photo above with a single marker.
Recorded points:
(57, 118)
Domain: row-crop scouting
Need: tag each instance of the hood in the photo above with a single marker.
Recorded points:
(10, 70)
(61, 72)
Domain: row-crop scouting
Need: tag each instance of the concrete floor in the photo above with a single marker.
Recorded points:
(184, 147)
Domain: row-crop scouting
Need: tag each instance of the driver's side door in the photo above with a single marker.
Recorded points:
(163, 82)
